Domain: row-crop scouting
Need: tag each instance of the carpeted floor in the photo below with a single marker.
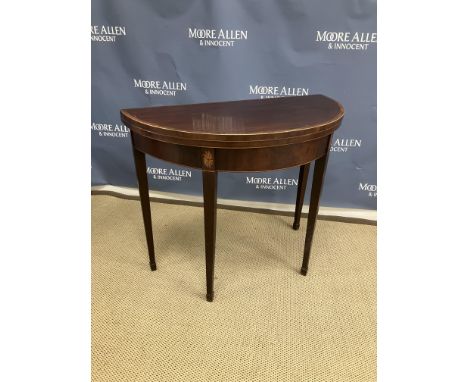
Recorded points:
(267, 322)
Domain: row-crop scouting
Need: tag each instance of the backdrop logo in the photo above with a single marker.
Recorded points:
(371, 189)
(171, 174)
(217, 37)
(342, 145)
(164, 88)
(276, 184)
(265, 91)
(106, 33)
(110, 130)
(346, 40)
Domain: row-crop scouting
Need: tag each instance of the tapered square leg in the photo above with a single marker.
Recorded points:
(210, 199)
(301, 187)
(317, 183)
(140, 167)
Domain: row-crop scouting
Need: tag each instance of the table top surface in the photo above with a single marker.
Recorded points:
(261, 120)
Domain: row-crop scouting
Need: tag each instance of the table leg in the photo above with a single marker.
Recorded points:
(140, 166)
(209, 199)
(317, 183)
(301, 187)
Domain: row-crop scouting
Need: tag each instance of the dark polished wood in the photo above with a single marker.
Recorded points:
(301, 187)
(317, 184)
(248, 123)
(248, 135)
(209, 204)
(140, 167)
(251, 159)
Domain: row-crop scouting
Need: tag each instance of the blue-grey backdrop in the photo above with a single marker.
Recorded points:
(165, 52)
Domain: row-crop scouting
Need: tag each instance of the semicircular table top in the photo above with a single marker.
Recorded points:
(246, 123)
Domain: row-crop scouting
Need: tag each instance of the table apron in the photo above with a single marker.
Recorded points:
(236, 160)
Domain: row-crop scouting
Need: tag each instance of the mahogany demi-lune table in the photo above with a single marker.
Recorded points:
(248, 135)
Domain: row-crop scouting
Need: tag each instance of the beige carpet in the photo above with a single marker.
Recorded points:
(267, 322)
